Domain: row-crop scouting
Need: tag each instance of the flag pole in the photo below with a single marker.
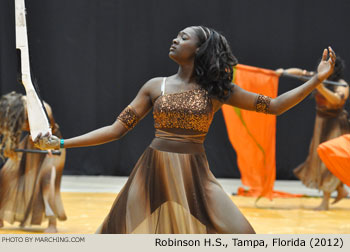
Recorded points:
(54, 152)
(306, 78)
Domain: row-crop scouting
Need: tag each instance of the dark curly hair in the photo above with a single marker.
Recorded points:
(12, 118)
(213, 63)
(338, 72)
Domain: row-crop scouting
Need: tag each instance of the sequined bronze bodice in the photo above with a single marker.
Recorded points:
(191, 110)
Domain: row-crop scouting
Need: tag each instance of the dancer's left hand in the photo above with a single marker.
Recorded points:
(47, 142)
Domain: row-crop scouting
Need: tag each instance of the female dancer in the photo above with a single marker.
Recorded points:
(331, 121)
(171, 189)
(29, 183)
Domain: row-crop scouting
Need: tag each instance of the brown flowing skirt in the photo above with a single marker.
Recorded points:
(172, 190)
(313, 172)
(30, 187)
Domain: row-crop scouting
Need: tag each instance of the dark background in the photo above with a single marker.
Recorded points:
(90, 57)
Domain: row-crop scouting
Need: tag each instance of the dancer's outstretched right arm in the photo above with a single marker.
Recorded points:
(132, 114)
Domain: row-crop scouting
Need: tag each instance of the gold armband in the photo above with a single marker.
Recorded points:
(128, 117)
(262, 104)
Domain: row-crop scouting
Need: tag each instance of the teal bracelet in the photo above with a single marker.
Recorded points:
(61, 143)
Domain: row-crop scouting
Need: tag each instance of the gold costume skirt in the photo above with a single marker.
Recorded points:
(22, 185)
(313, 173)
(172, 190)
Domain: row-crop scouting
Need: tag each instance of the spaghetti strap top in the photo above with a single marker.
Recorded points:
(162, 89)
(190, 110)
